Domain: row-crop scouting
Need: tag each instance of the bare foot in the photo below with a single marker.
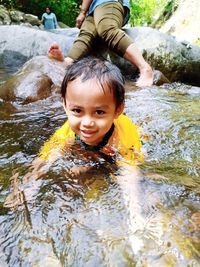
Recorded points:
(55, 52)
(146, 76)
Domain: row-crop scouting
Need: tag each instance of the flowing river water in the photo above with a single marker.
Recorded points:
(85, 221)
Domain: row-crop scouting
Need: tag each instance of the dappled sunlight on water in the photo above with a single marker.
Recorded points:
(172, 123)
(89, 219)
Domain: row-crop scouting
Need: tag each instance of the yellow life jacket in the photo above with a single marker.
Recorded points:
(124, 140)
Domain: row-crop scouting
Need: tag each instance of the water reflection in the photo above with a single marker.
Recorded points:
(87, 220)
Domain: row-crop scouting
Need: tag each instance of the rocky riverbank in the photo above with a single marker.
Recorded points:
(178, 61)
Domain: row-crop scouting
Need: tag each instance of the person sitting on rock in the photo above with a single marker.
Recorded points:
(104, 19)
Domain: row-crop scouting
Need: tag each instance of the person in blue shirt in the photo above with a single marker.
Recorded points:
(104, 19)
(49, 19)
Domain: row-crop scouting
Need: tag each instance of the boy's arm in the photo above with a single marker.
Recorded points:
(49, 153)
(20, 192)
(129, 182)
(84, 9)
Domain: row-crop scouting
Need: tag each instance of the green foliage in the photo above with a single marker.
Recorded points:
(8, 3)
(144, 12)
(171, 6)
(65, 10)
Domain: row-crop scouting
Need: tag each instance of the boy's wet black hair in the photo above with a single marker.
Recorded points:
(105, 72)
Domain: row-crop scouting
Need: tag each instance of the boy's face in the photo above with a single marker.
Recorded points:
(90, 110)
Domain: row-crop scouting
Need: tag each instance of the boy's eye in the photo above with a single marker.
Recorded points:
(76, 110)
(100, 112)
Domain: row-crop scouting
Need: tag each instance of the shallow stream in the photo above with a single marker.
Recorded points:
(84, 221)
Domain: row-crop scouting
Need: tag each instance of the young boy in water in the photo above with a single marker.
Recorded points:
(93, 98)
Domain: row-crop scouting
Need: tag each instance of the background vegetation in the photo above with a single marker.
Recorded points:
(146, 12)
(143, 12)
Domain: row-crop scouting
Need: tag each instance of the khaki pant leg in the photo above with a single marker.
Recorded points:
(83, 44)
(108, 19)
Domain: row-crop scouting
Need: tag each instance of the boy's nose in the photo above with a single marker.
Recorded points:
(88, 121)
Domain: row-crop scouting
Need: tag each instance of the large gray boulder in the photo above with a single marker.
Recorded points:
(39, 78)
(177, 61)
(19, 43)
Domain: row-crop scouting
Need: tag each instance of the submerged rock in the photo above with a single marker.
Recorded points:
(28, 87)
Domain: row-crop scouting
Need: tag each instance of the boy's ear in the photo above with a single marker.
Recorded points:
(119, 110)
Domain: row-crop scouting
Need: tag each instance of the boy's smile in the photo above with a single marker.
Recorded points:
(91, 109)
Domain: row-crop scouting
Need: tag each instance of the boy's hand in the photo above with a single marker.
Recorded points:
(77, 170)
